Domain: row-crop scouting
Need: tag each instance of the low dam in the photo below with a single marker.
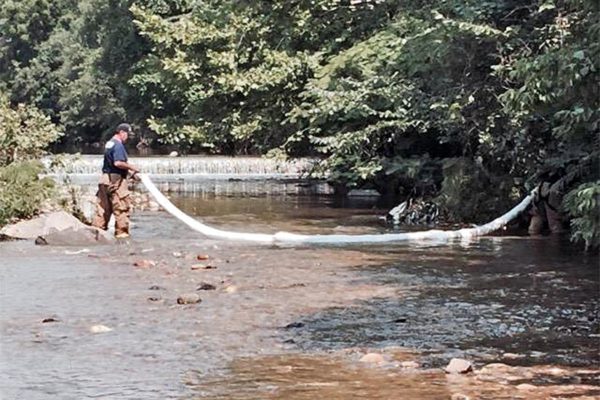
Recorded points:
(201, 174)
(206, 166)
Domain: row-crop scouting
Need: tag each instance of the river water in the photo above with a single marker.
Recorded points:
(295, 322)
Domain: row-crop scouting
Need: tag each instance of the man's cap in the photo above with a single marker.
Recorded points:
(124, 127)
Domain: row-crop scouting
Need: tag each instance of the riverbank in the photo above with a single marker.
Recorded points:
(294, 323)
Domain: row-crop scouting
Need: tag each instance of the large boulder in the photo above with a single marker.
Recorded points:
(58, 228)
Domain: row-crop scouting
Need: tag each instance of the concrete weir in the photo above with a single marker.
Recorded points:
(218, 175)
(208, 166)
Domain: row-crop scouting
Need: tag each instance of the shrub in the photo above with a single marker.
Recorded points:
(21, 190)
(24, 132)
(471, 193)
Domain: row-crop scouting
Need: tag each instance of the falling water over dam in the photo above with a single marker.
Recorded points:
(201, 174)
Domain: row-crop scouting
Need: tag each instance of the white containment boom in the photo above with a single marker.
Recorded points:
(291, 238)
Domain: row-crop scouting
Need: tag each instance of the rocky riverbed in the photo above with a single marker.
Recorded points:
(169, 314)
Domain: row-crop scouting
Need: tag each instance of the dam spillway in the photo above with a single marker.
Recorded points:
(200, 175)
(193, 165)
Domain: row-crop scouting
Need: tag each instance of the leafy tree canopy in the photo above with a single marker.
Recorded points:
(419, 96)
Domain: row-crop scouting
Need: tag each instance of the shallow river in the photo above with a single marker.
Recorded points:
(295, 322)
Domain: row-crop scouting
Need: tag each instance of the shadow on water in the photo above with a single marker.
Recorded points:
(530, 297)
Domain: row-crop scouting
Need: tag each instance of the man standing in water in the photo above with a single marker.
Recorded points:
(113, 191)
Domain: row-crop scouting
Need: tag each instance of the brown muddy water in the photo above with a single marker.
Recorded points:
(294, 322)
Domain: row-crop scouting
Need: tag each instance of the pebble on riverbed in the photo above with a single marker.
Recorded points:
(372, 358)
(231, 289)
(196, 267)
(100, 329)
(409, 364)
(206, 286)
(144, 263)
(458, 366)
(459, 396)
(526, 386)
(189, 298)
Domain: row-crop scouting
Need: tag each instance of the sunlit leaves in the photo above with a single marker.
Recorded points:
(24, 132)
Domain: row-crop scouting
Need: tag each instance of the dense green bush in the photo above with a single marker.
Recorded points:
(25, 132)
(471, 193)
(21, 191)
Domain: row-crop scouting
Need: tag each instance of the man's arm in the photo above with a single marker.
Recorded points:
(125, 165)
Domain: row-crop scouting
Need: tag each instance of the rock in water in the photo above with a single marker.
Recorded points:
(100, 329)
(82, 236)
(206, 286)
(294, 325)
(196, 267)
(57, 228)
(231, 289)
(409, 364)
(458, 366)
(144, 263)
(459, 396)
(526, 386)
(372, 358)
(189, 298)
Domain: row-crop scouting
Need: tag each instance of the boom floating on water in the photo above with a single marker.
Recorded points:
(292, 238)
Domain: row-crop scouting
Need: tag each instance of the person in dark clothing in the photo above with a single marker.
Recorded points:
(547, 204)
(113, 196)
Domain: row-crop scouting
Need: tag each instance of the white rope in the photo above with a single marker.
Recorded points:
(286, 237)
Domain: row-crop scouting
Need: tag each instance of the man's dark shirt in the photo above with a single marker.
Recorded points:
(114, 151)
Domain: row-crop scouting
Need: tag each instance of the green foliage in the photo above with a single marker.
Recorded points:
(406, 82)
(77, 67)
(21, 191)
(471, 193)
(24, 25)
(24, 132)
(552, 103)
(384, 92)
(216, 79)
(509, 88)
(583, 205)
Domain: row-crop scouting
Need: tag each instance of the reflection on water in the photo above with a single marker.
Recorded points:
(333, 377)
(293, 322)
(318, 377)
(299, 214)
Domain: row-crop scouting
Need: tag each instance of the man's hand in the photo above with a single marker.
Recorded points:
(136, 176)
